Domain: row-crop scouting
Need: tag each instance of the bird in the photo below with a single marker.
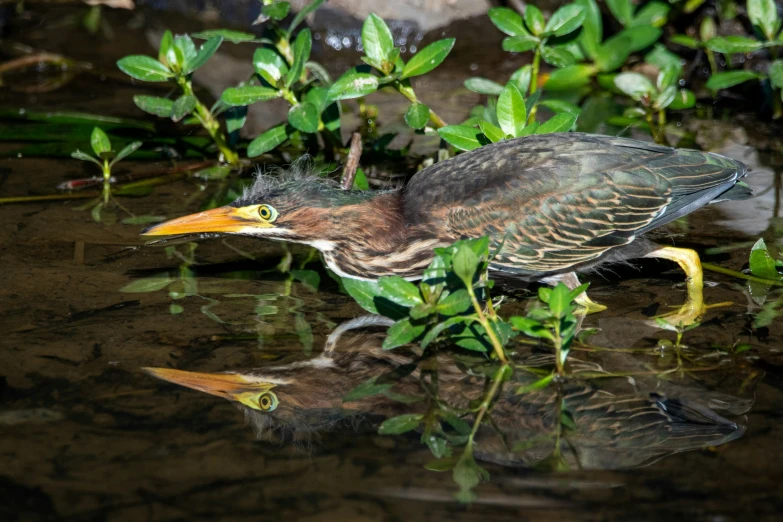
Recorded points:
(615, 425)
(552, 205)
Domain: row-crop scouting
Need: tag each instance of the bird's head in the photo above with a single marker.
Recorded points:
(296, 206)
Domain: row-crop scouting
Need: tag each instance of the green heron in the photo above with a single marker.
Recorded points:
(552, 205)
(616, 426)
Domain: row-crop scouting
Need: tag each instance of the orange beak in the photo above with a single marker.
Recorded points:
(223, 219)
(231, 386)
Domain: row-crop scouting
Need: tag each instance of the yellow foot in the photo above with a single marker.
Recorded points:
(589, 306)
(693, 308)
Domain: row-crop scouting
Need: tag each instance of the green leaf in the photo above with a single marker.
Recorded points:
(521, 78)
(367, 389)
(592, 28)
(707, 29)
(557, 57)
(634, 85)
(99, 141)
(439, 447)
(613, 53)
(441, 464)
(483, 86)
(761, 263)
(560, 301)
(734, 44)
(652, 14)
(377, 39)
(559, 106)
(79, 155)
(667, 77)
(269, 65)
(360, 180)
(126, 151)
(247, 94)
(570, 78)
(363, 292)
(684, 99)
(562, 122)
(235, 118)
(531, 327)
(185, 48)
(511, 111)
(204, 53)
(154, 105)
(428, 58)
(463, 137)
(685, 41)
(417, 115)
(764, 15)
(465, 264)
(144, 68)
(776, 73)
(455, 303)
(301, 15)
(166, 54)
(353, 84)
(520, 43)
(146, 284)
(267, 141)
(492, 132)
(318, 96)
(302, 46)
(529, 129)
(565, 20)
(540, 384)
(399, 291)
(400, 424)
(622, 10)
(507, 20)
(228, 35)
(183, 106)
(276, 10)
(304, 117)
(724, 80)
(467, 474)
(402, 332)
(641, 37)
(215, 173)
(534, 19)
(665, 97)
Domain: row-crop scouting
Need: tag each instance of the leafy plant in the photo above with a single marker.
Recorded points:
(177, 59)
(105, 158)
(763, 15)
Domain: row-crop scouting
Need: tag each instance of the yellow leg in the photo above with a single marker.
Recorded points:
(690, 263)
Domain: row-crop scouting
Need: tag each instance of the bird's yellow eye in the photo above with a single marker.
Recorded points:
(267, 401)
(267, 213)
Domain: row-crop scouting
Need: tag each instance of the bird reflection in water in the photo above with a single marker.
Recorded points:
(610, 423)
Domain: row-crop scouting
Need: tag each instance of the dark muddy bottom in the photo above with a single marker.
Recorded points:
(86, 435)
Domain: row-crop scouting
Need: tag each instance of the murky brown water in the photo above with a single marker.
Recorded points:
(86, 435)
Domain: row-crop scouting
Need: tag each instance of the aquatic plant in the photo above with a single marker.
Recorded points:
(105, 158)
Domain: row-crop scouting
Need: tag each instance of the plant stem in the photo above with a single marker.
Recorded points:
(726, 271)
(493, 338)
(497, 380)
(531, 117)
(651, 125)
(106, 181)
(209, 122)
(407, 91)
(661, 139)
(558, 349)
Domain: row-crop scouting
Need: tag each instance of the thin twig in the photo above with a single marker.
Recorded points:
(352, 162)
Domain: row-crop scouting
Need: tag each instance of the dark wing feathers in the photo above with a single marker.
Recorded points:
(560, 200)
